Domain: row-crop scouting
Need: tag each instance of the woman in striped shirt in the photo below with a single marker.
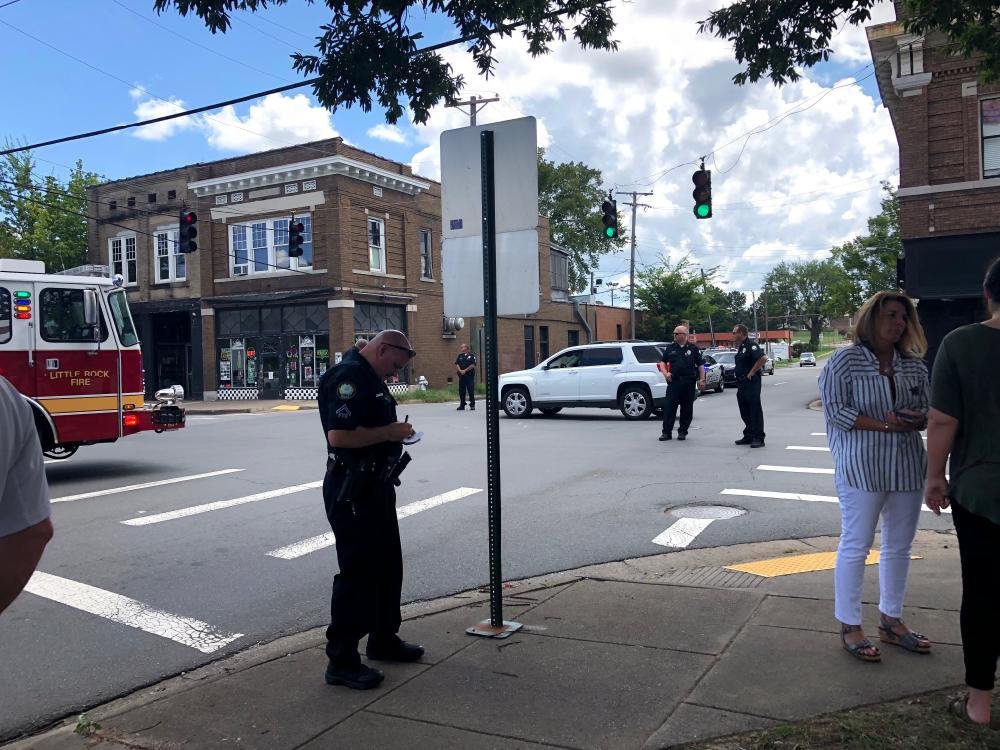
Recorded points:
(875, 402)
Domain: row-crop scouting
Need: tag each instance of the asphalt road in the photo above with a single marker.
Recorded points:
(128, 596)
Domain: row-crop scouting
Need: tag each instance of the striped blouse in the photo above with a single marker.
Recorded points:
(869, 460)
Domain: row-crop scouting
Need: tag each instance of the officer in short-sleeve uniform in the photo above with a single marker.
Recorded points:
(366, 591)
(682, 361)
(750, 360)
(465, 366)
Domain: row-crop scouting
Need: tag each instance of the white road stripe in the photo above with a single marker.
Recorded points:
(818, 434)
(184, 630)
(299, 549)
(794, 469)
(220, 504)
(682, 532)
(144, 485)
(807, 448)
(798, 496)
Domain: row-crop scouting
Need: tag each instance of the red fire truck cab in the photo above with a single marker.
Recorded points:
(68, 344)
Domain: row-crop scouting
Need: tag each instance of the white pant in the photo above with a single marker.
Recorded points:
(859, 514)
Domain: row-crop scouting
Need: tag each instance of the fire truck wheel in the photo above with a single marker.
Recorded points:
(61, 451)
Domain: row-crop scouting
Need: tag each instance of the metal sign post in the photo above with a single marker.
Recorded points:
(495, 627)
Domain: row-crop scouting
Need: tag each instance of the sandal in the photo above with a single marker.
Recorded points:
(909, 640)
(959, 706)
(857, 650)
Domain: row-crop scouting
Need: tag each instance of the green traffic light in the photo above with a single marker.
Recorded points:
(702, 210)
(609, 232)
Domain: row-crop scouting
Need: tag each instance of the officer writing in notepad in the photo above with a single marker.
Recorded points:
(366, 457)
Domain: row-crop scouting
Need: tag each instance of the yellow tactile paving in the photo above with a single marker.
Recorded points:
(784, 566)
(286, 407)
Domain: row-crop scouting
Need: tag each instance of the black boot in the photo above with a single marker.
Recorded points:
(357, 676)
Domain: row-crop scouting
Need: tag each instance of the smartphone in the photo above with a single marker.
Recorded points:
(903, 416)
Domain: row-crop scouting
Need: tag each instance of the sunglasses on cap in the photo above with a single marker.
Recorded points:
(406, 349)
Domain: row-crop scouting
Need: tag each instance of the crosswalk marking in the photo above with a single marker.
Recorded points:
(794, 469)
(799, 496)
(143, 486)
(682, 532)
(306, 546)
(122, 609)
(818, 434)
(807, 448)
(220, 504)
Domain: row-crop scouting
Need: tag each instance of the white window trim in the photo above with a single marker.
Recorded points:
(272, 268)
(381, 248)
(430, 254)
(172, 254)
(123, 238)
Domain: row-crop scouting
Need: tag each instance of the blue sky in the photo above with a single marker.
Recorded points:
(807, 183)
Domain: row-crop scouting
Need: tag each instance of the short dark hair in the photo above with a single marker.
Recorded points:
(991, 283)
(741, 329)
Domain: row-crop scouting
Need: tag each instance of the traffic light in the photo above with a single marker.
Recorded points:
(609, 209)
(187, 231)
(702, 193)
(295, 238)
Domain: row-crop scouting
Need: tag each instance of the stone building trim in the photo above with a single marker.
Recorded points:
(950, 187)
(285, 203)
(327, 166)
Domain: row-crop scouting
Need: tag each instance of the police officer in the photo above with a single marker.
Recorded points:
(681, 366)
(750, 360)
(465, 366)
(363, 438)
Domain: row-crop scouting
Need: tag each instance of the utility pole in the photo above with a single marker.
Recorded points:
(756, 330)
(631, 267)
(767, 339)
(711, 330)
(612, 285)
(475, 104)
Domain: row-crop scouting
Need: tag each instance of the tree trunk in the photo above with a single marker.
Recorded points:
(815, 329)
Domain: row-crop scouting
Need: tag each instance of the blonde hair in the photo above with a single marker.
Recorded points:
(913, 342)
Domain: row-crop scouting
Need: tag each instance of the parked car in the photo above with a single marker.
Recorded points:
(714, 374)
(616, 375)
(807, 358)
(769, 367)
(728, 362)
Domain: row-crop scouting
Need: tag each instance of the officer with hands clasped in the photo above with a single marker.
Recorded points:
(681, 366)
(750, 360)
(465, 366)
(366, 457)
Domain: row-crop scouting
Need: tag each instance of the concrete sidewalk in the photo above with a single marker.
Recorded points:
(645, 653)
(249, 406)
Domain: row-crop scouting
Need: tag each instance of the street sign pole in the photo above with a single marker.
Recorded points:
(495, 627)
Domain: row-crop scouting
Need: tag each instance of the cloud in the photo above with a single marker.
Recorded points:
(273, 122)
(149, 108)
(389, 133)
(795, 169)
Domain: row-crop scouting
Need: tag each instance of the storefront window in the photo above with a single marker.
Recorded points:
(234, 370)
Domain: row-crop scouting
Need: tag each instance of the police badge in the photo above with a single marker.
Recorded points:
(346, 390)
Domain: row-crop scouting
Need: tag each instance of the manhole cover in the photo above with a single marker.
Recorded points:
(714, 512)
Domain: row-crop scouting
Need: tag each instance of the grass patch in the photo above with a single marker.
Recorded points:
(921, 721)
(436, 395)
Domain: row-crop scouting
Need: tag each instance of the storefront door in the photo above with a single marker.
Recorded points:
(270, 372)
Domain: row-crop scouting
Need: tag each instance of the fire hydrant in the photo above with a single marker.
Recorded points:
(422, 383)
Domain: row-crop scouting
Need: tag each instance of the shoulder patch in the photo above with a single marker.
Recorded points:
(346, 390)
(343, 412)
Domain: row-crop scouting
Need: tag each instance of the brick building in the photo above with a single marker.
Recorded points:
(239, 318)
(948, 128)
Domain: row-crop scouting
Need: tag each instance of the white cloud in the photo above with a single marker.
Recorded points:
(646, 115)
(148, 108)
(273, 122)
(389, 133)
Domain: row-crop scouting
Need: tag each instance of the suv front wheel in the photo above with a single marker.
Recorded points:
(517, 402)
(635, 402)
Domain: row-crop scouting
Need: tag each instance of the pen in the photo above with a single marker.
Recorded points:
(407, 418)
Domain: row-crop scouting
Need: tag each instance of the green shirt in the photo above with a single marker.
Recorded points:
(966, 385)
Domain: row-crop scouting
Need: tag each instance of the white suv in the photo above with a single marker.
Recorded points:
(615, 375)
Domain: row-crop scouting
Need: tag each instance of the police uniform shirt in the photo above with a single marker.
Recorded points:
(684, 361)
(746, 357)
(351, 395)
(464, 360)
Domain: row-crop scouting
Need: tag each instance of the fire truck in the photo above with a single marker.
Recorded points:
(69, 346)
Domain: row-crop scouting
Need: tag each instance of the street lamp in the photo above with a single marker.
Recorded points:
(613, 285)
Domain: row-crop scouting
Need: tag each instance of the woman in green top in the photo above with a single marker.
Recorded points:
(964, 421)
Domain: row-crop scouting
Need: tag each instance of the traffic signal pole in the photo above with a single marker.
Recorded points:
(631, 268)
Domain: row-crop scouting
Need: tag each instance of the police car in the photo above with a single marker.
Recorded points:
(614, 374)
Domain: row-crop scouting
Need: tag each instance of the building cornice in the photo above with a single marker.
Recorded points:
(327, 166)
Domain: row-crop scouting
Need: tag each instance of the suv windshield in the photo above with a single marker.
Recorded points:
(123, 319)
(725, 358)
